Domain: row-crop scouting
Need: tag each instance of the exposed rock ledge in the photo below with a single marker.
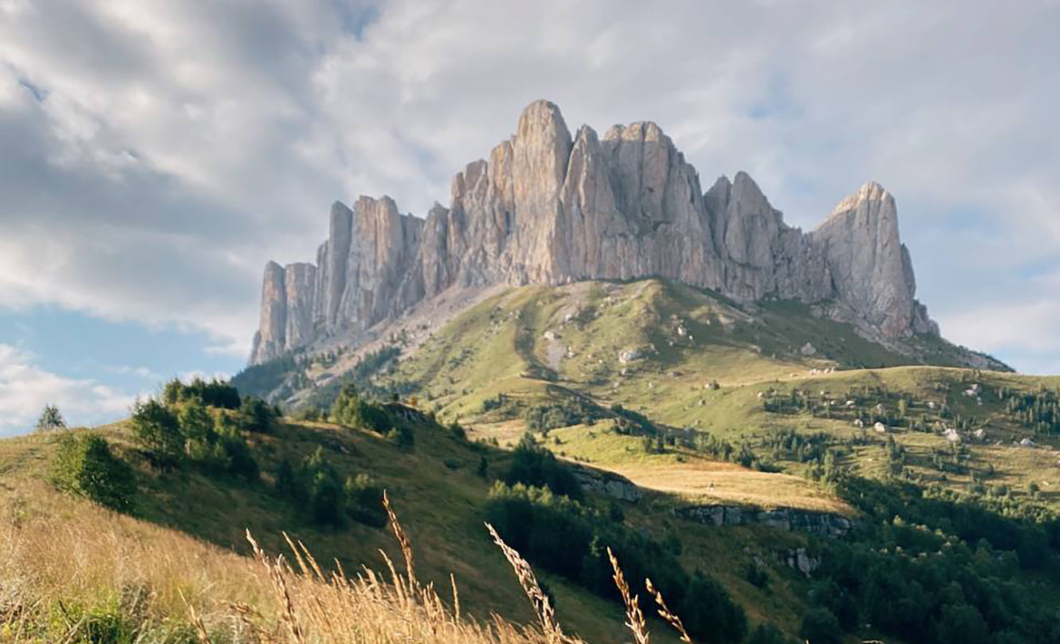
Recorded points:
(824, 524)
(607, 484)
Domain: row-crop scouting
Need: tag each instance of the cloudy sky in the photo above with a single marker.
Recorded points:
(153, 155)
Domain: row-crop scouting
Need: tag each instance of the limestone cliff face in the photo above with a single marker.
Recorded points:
(546, 208)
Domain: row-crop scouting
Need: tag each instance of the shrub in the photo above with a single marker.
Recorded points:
(402, 436)
(196, 422)
(255, 415)
(364, 501)
(820, 626)
(535, 466)
(50, 419)
(708, 609)
(756, 576)
(157, 429)
(85, 465)
(316, 489)
(352, 411)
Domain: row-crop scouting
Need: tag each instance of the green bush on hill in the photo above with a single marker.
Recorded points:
(318, 491)
(351, 410)
(191, 432)
(158, 431)
(561, 413)
(85, 465)
(534, 466)
(256, 415)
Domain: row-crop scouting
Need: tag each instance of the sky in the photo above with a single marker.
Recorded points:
(154, 155)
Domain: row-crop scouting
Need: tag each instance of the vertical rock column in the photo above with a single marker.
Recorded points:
(270, 341)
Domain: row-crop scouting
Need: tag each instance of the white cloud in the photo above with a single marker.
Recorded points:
(177, 146)
(25, 389)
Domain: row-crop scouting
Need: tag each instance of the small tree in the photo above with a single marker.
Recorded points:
(50, 419)
(364, 501)
(255, 415)
(85, 465)
(196, 422)
(157, 429)
(347, 408)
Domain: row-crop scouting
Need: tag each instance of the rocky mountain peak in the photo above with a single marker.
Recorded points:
(548, 209)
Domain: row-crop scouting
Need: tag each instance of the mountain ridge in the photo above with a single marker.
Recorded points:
(551, 208)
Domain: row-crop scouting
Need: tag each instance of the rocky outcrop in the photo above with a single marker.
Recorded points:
(820, 523)
(546, 208)
(872, 273)
(607, 484)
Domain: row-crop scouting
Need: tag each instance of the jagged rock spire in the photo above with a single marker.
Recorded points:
(549, 209)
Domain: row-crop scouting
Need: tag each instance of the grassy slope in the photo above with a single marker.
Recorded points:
(535, 344)
(440, 504)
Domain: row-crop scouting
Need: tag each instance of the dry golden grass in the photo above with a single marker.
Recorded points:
(69, 569)
(719, 482)
(634, 615)
(84, 561)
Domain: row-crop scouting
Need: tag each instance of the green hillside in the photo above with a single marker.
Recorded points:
(438, 484)
(764, 467)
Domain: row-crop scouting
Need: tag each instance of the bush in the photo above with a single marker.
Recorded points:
(561, 413)
(50, 419)
(820, 626)
(217, 445)
(316, 489)
(535, 466)
(196, 422)
(323, 490)
(709, 611)
(756, 576)
(157, 429)
(364, 501)
(85, 465)
(352, 411)
(255, 415)
(401, 436)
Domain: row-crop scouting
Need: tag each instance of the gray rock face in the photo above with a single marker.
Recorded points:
(871, 269)
(547, 208)
(271, 339)
(819, 523)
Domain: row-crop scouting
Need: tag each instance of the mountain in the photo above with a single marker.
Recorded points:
(550, 209)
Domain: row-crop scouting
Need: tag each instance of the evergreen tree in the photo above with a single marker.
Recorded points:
(157, 429)
(50, 419)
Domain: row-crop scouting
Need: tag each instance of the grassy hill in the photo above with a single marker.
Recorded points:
(717, 426)
(196, 521)
(687, 359)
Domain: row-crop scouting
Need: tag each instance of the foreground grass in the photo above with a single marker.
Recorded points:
(88, 575)
(69, 568)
